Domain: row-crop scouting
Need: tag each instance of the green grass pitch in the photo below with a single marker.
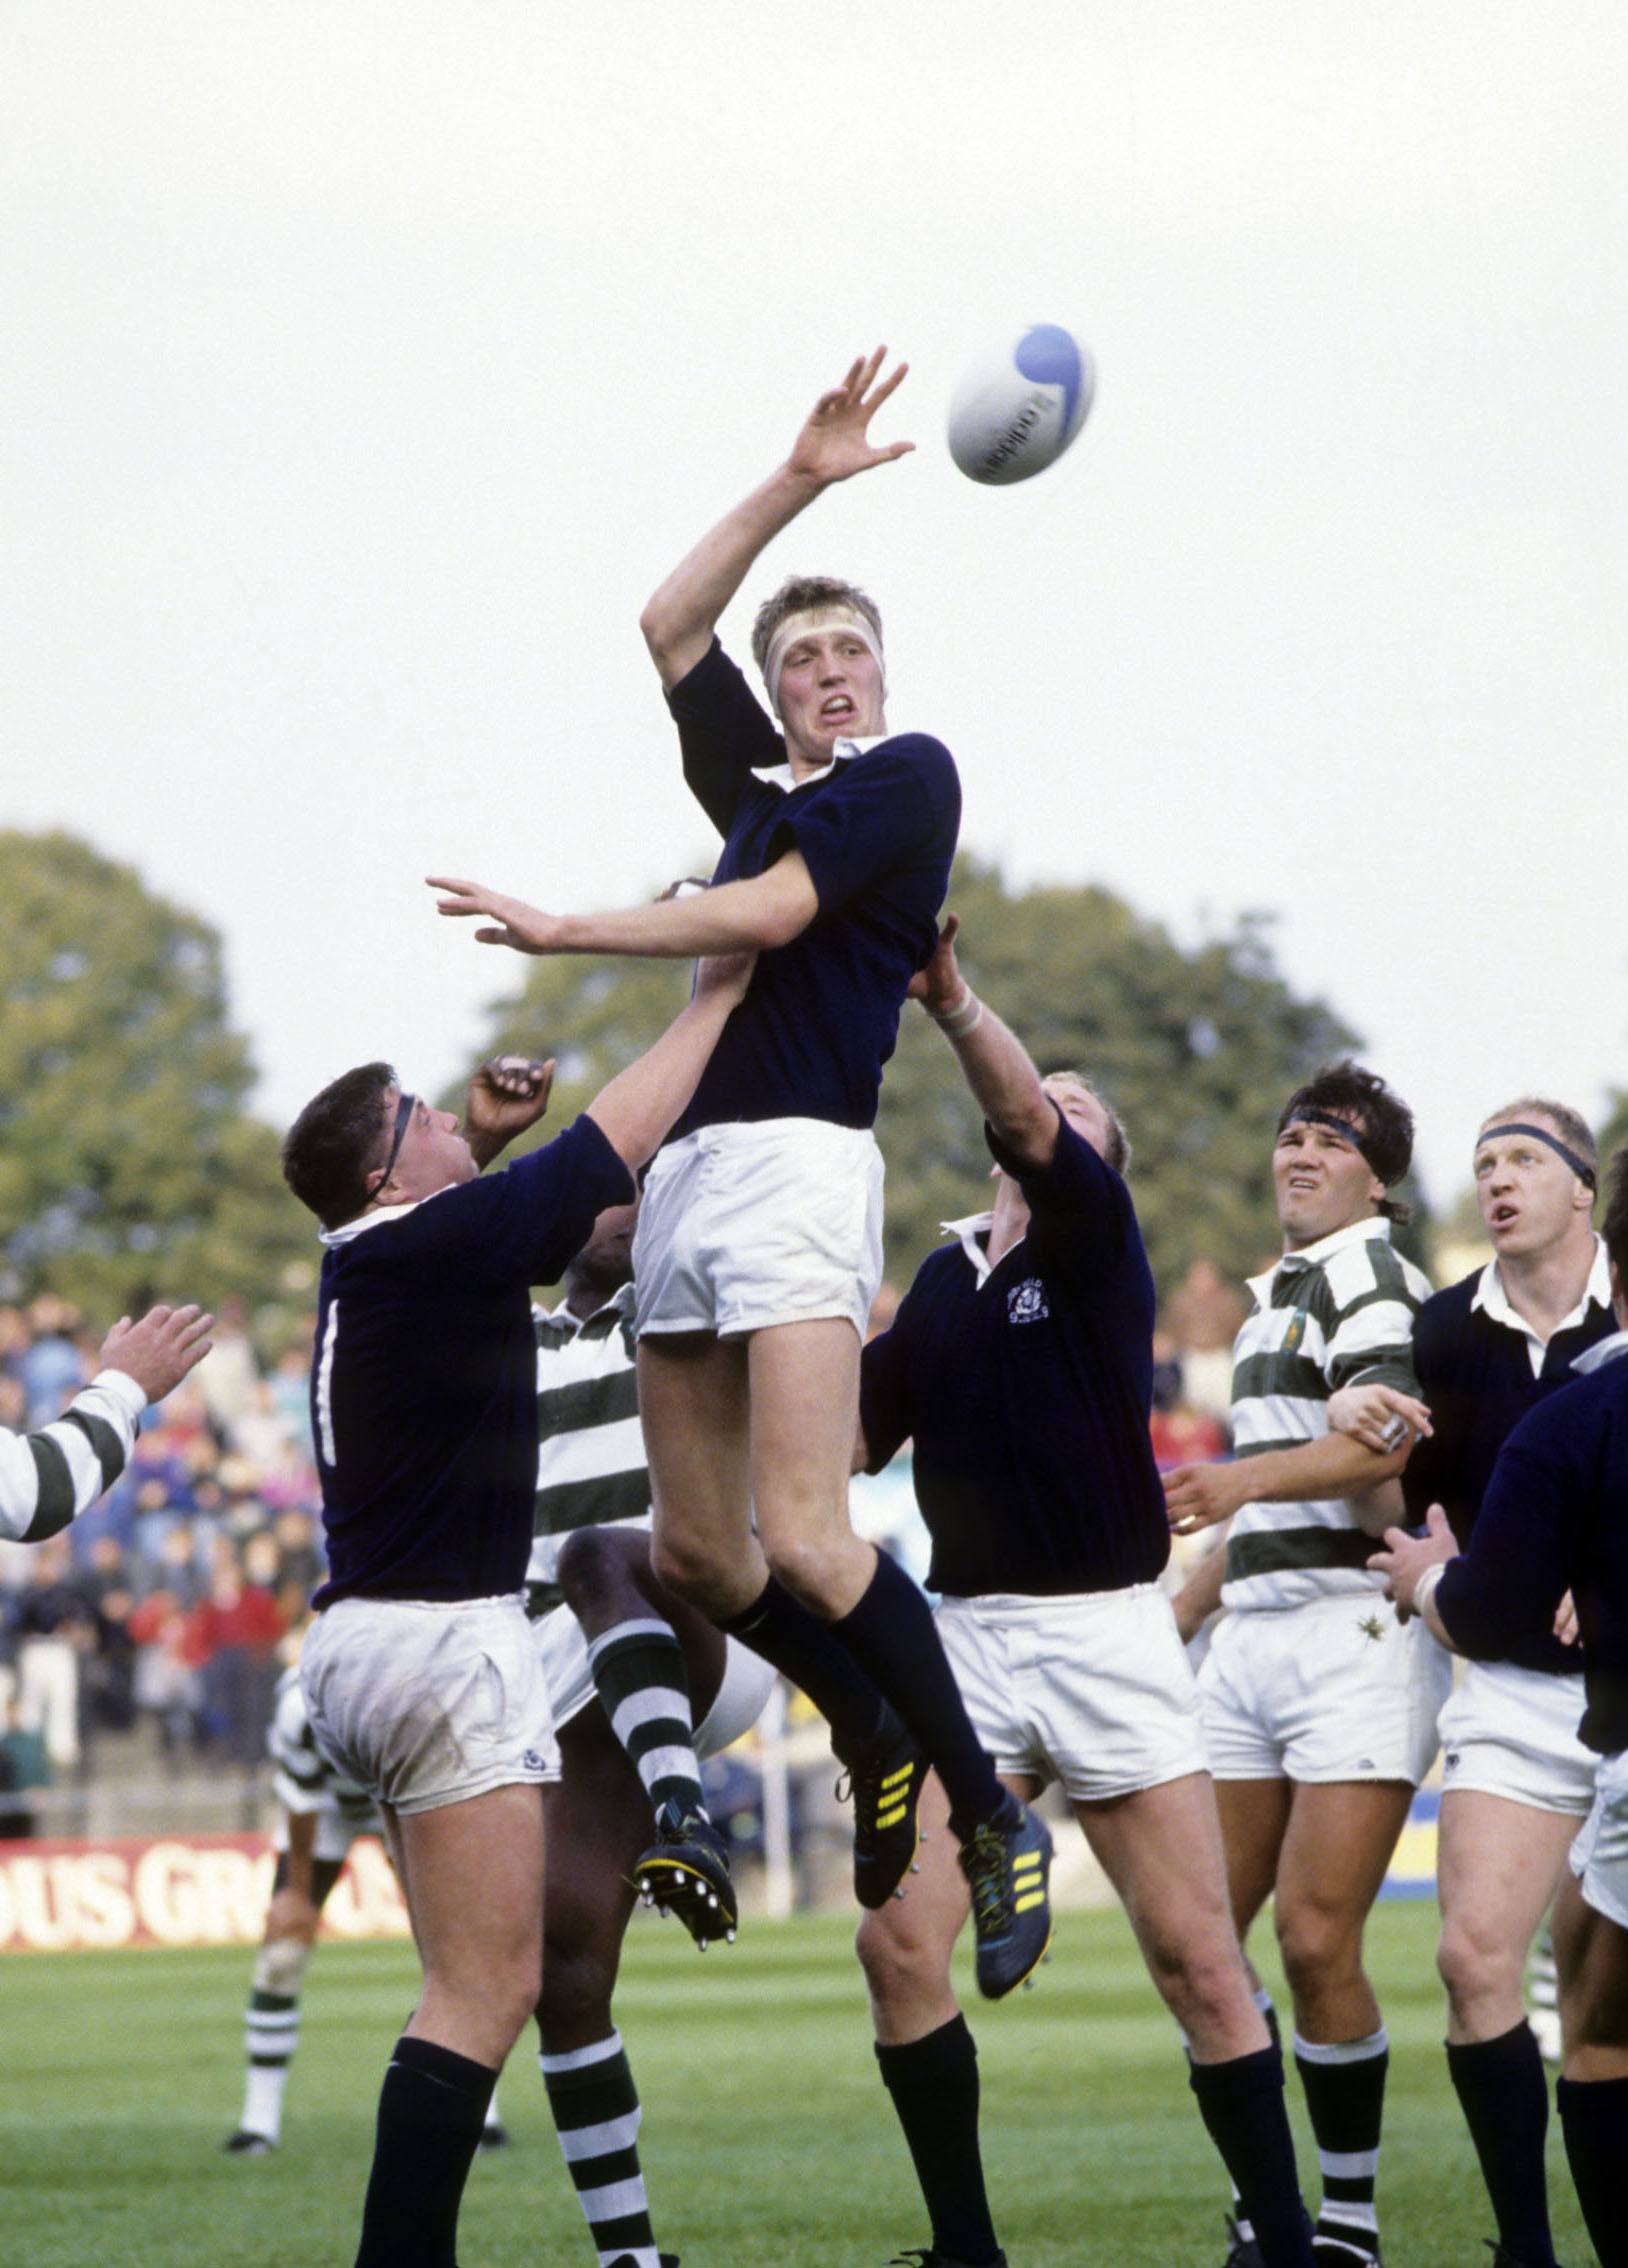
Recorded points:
(767, 2136)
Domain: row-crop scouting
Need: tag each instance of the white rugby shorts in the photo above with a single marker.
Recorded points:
(1092, 1689)
(743, 1690)
(746, 1226)
(1336, 1690)
(1513, 1733)
(334, 1835)
(428, 1703)
(1599, 1857)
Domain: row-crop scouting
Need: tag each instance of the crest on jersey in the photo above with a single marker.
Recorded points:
(1026, 1302)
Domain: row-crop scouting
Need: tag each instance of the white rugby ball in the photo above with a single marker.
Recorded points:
(1018, 406)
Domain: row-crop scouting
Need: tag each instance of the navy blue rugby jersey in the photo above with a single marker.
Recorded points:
(424, 1374)
(878, 832)
(1475, 1373)
(1027, 1389)
(1555, 1519)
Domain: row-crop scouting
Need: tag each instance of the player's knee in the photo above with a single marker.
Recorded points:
(1318, 1944)
(689, 1570)
(594, 1571)
(573, 2006)
(1471, 1963)
(807, 1567)
(902, 1963)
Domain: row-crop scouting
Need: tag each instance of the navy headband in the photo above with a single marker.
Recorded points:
(1579, 1166)
(1341, 1126)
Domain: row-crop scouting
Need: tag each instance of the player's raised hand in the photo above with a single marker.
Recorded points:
(939, 985)
(507, 1094)
(158, 1351)
(510, 921)
(834, 443)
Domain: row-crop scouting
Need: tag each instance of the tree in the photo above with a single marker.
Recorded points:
(1197, 1048)
(129, 1169)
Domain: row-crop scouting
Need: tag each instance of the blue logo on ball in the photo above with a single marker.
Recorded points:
(1048, 356)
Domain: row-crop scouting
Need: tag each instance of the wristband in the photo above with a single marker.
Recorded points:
(1427, 1586)
(960, 1021)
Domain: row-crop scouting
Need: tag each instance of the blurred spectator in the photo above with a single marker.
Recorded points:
(50, 1365)
(23, 1765)
(55, 1629)
(1202, 1316)
(235, 1631)
(110, 1672)
(228, 1375)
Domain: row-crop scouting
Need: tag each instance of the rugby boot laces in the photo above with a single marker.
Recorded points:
(1007, 1862)
(686, 1872)
(885, 1775)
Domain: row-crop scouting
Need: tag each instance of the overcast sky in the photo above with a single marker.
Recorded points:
(368, 364)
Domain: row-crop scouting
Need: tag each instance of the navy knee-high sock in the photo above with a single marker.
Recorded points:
(934, 2085)
(804, 1649)
(1594, 2120)
(891, 1635)
(1242, 2104)
(1505, 2098)
(432, 2107)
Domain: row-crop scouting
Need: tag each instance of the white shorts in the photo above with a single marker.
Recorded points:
(746, 1226)
(742, 1692)
(1092, 1689)
(1599, 1857)
(336, 1831)
(1337, 1690)
(1513, 1733)
(427, 1703)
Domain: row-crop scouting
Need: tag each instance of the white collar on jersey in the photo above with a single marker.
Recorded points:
(1374, 1230)
(842, 752)
(349, 1231)
(1603, 1351)
(967, 1232)
(1491, 1296)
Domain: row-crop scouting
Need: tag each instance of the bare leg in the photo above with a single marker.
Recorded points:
(1161, 1850)
(1497, 1868)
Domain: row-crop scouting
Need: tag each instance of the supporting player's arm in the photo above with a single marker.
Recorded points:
(994, 1061)
(752, 916)
(638, 1106)
(679, 621)
(1197, 1496)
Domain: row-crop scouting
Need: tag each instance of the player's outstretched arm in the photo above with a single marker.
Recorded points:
(48, 1478)
(832, 445)
(737, 917)
(640, 1104)
(1197, 1496)
(995, 1063)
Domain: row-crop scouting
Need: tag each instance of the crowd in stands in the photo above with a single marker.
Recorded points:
(173, 1600)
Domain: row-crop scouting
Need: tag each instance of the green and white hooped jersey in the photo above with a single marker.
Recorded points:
(591, 1468)
(1338, 1312)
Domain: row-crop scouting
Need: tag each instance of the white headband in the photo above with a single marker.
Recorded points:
(837, 615)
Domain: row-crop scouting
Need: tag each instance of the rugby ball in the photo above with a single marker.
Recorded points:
(1018, 406)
